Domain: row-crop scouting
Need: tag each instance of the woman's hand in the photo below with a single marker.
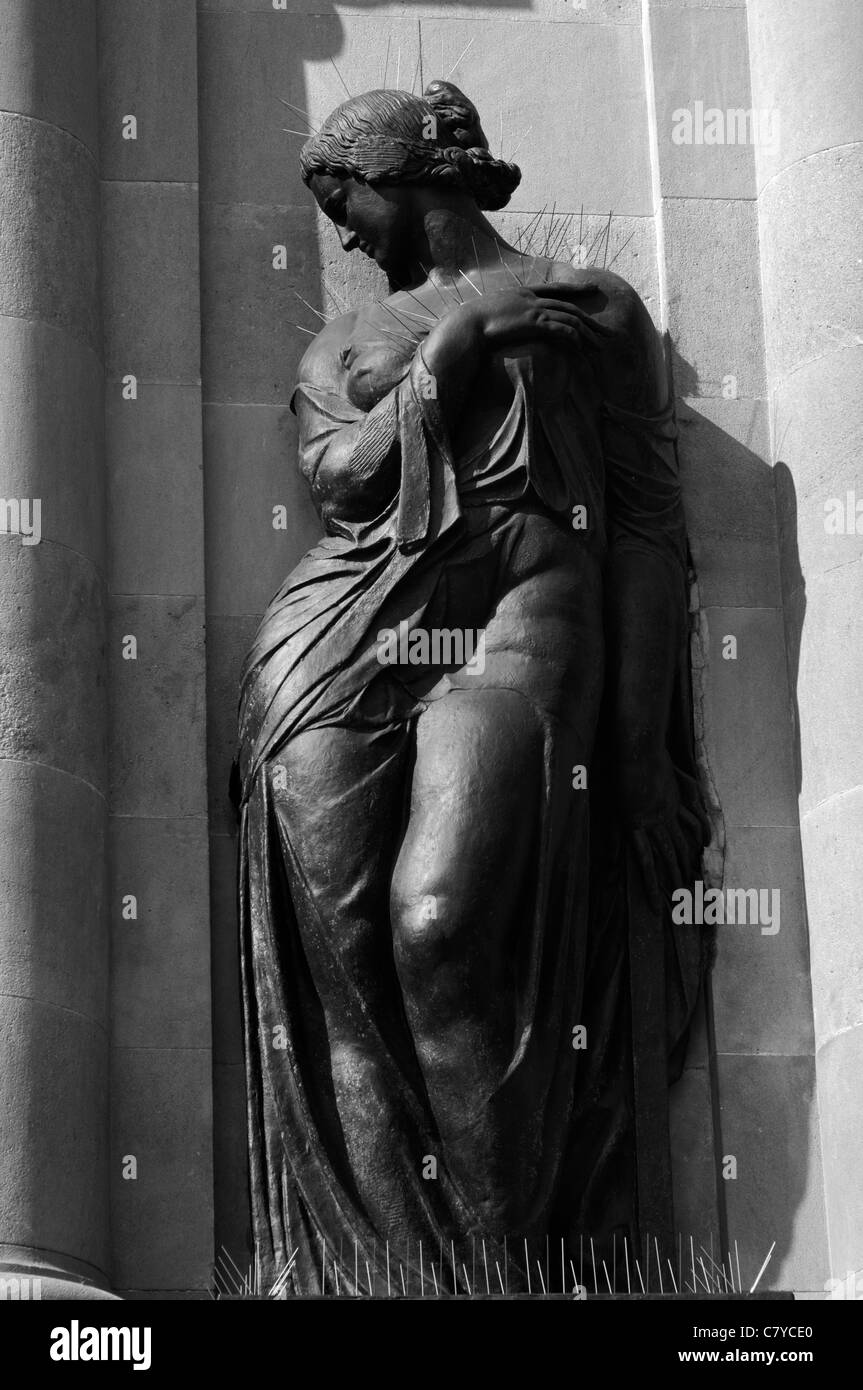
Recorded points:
(461, 340)
(537, 313)
(665, 820)
(518, 315)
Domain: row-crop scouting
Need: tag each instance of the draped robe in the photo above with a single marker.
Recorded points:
(488, 538)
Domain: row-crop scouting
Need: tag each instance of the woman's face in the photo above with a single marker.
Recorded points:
(373, 220)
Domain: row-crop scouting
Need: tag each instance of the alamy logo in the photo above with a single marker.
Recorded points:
(437, 646)
(77, 1343)
(727, 907)
(734, 126)
(844, 517)
(21, 517)
(18, 1288)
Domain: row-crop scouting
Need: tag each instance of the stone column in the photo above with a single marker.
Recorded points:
(805, 59)
(53, 941)
(161, 1162)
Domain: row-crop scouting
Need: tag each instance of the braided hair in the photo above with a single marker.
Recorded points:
(396, 137)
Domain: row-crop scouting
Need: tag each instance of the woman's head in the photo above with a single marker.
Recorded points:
(377, 153)
(387, 137)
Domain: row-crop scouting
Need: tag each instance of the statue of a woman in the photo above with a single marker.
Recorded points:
(460, 709)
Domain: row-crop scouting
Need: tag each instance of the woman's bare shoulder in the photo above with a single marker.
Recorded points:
(623, 306)
(635, 374)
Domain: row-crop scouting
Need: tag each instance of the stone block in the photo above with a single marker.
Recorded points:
(157, 702)
(251, 454)
(155, 490)
(162, 1116)
(810, 259)
(818, 422)
(52, 641)
(48, 64)
(53, 937)
(832, 834)
(735, 571)
(54, 1122)
(769, 1119)
(148, 69)
(626, 245)
(150, 281)
(251, 346)
(525, 11)
(49, 211)
(840, 1063)
(160, 960)
(761, 989)
(579, 144)
(728, 497)
(227, 1001)
(697, 4)
(51, 433)
(701, 55)
(348, 279)
(748, 720)
(694, 1166)
(232, 1215)
(820, 103)
(714, 295)
(228, 641)
(829, 682)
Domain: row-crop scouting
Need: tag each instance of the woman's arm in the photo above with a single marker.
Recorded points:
(350, 458)
(352, 467)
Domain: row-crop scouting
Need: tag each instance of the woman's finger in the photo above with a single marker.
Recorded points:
(559, 287)
(535, 327)
(577, 315)
(561, 334)
(553, 323)
(562, 296)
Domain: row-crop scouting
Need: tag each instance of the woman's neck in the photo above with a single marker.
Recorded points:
(455, 238)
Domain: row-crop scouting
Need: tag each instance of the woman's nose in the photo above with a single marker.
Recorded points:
(347, 238)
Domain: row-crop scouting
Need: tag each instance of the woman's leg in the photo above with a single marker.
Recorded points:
(338, 797)
(481, 947)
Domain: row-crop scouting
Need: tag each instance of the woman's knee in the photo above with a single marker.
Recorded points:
(422, 926)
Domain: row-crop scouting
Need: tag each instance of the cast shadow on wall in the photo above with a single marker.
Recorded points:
(741, 516)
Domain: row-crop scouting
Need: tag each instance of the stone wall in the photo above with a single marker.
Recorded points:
(54, 1006)
(161, 1033)
(158, 523)
(808, 195)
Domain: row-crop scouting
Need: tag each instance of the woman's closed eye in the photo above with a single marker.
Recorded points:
(336, 209)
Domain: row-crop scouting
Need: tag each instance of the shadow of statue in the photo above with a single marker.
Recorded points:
(741, 519)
